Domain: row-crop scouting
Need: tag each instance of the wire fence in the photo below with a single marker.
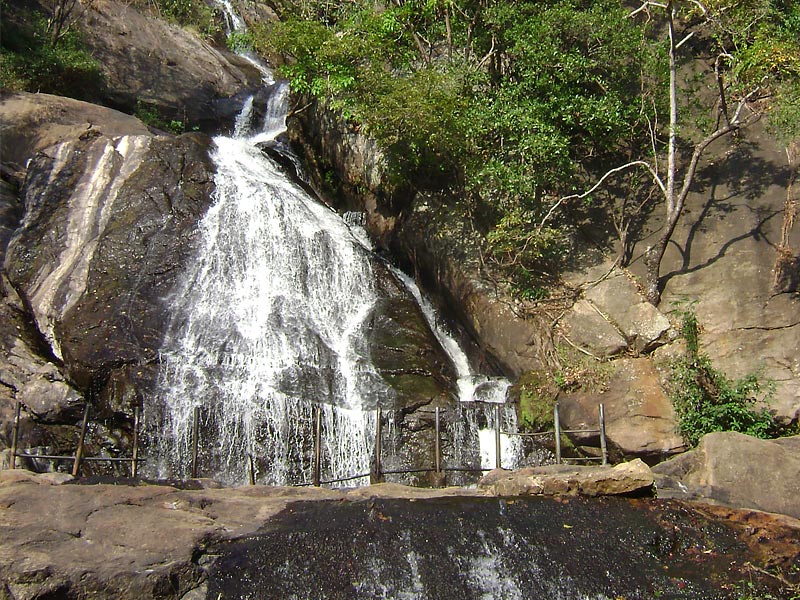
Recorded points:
(78, 458)
(377, 472)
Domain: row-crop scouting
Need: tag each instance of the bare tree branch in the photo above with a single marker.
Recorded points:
(645, 6)
(635, 163)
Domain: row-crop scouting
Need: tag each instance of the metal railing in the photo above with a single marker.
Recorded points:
(377, 473)
(78, 458)
(557, 431)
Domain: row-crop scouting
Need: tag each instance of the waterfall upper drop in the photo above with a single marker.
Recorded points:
(282, 310)
(271, 316)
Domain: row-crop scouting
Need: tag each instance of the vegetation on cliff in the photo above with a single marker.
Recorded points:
(507, 104)
(706, 400)
(521, 106)
(40, 51)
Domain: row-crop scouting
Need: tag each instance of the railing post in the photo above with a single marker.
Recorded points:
(195, 439)
(317, 444)
(557, 426)
(76, 465)
(251, 469)
(437, 444)
(135, 467)
(15, 436)
(377, 476)
(497, 444)
(603, 446)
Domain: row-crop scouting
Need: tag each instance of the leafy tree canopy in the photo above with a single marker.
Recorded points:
(509, 103)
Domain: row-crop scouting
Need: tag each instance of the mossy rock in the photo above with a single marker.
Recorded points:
(537, 396)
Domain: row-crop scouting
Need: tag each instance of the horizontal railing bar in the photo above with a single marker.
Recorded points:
(467, 469)
(44, 456)
(344, 479)
(543, 433)
(401, 472)
(407, 471)
(582, 458)
(88, 458)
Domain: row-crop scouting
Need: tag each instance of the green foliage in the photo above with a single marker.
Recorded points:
(764, 41)
(196, 14)
(321, 62)
(150, 115)
(705, 400)
(513, 105)
(239, 41)
(506, 103)
(30, 61)
(536, 401)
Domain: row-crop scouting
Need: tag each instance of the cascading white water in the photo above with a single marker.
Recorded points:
(269, 318)
(477, 393)
(234, 24)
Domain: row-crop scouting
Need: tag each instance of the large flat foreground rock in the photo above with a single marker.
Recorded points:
(59, 540)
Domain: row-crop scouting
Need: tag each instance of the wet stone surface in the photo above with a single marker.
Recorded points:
(536, 548)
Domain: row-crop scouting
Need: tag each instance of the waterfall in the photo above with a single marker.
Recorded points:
(473, 428)
(234, 24)
(270, 317)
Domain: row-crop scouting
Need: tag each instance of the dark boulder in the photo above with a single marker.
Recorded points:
(109, 223)
(148, 62)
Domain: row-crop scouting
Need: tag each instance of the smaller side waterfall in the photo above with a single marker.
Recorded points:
(476, 415)
(235, 24)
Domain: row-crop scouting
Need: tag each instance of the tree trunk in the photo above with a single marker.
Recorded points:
(655, 253)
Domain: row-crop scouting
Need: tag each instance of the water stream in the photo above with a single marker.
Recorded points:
(270, 317)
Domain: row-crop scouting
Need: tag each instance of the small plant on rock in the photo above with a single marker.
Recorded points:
(706, 400)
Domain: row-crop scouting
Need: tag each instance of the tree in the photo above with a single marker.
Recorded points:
(502, 104)
(731, 29)
(61, 15)
(42, 49)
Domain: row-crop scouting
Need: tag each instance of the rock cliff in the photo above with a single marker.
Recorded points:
(724, 253)
(723, 258)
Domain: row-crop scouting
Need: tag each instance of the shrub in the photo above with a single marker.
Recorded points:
(706, 400)
(31, 62)
(150, 115)
(191, 13)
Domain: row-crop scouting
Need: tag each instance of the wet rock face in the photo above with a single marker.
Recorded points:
(10, 214)
(348, 168)
(131, 542)
(404, 349)
(482, 548)
(109, 222)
